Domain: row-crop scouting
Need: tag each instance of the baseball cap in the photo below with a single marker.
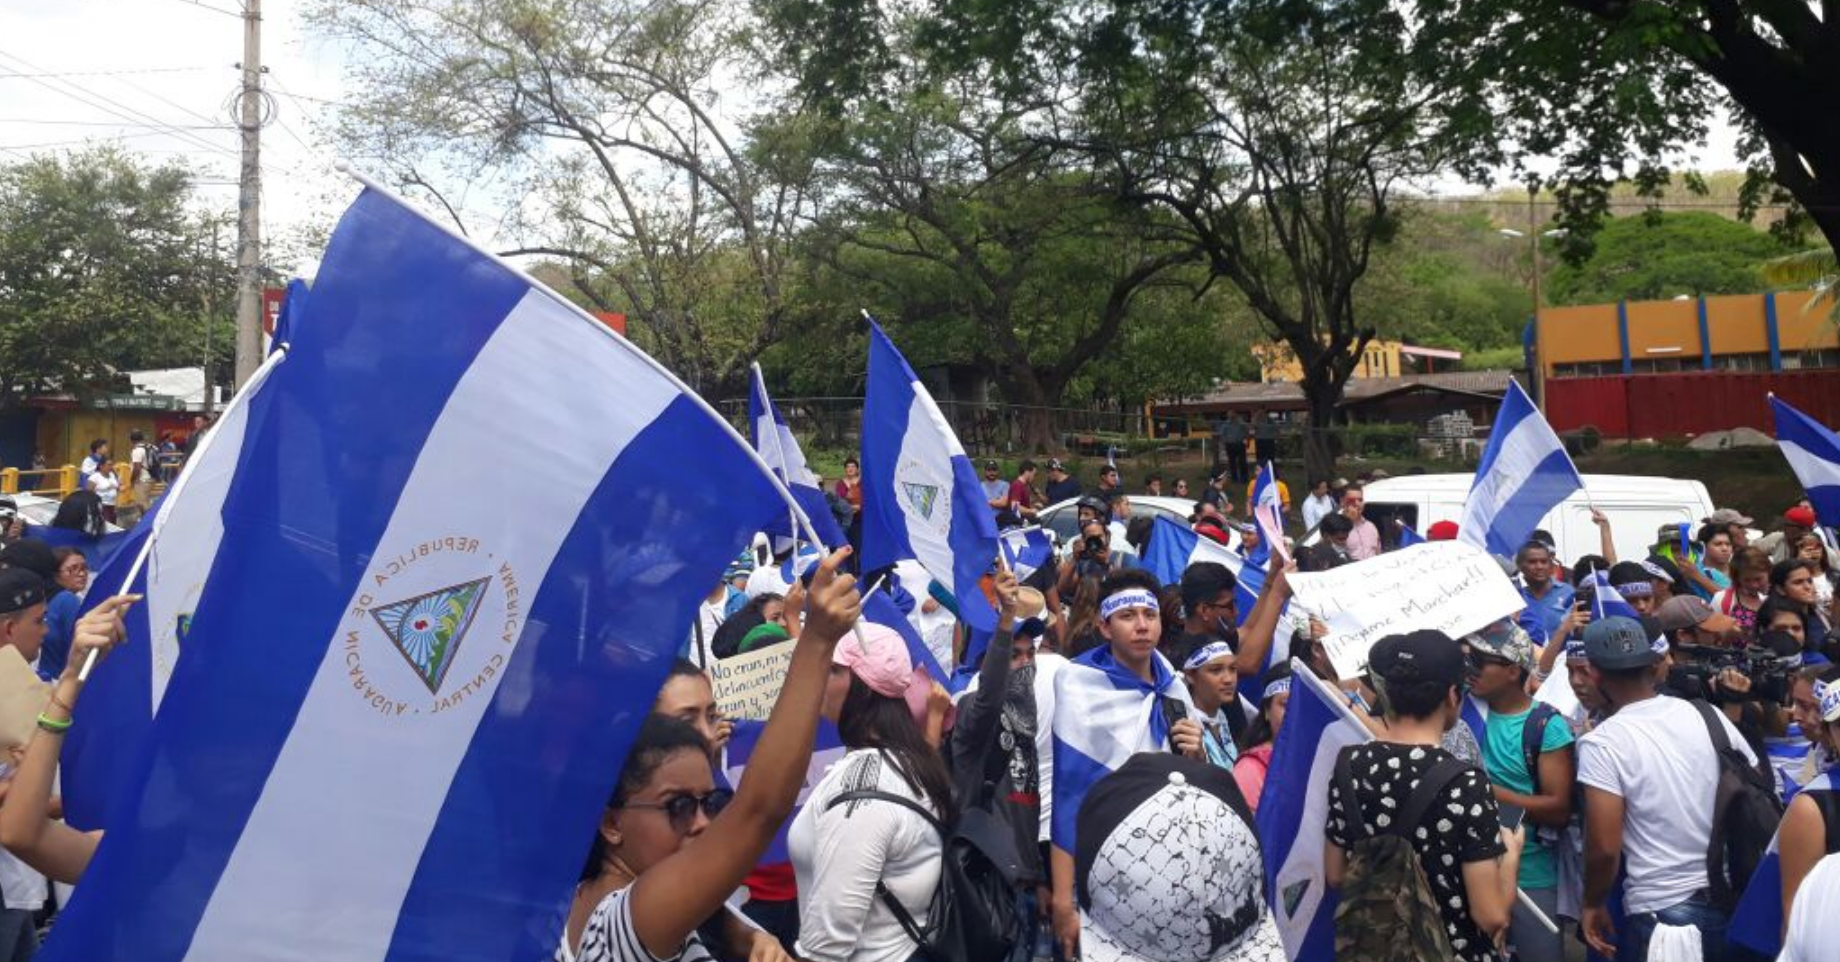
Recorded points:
(1505, 640)
(33, 555)
(877, 654)
(1167, 867)
(1442, 531)
(1728, 516)
(990, 464)
(1800, 516)
(1687, 611)
(1054, 464)
(19, 589)
(1415, 656)
(1618, 643)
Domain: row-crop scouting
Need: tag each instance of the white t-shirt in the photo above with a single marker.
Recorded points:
(838, 854)
(1814, 918)
(106, 486)
(1656, 756)
(1315, 509)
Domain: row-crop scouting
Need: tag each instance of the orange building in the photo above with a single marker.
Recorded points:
(1742, 332)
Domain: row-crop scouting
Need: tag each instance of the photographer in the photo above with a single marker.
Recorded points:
(1090, 555)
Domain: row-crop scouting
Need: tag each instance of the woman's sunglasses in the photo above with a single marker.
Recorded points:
(681, 809)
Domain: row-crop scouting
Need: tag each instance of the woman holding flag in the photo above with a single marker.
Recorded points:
(671, 847)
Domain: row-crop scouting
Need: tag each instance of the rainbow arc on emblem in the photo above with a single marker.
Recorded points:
(427, 628)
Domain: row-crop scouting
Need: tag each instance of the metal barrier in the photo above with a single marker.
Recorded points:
(64, 481)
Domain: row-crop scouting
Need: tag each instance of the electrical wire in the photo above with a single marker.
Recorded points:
(109, 73)
(113, 123)
(239, 14)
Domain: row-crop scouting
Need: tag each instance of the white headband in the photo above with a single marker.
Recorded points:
(1829, 694)
(1280, 687)
(1207, 653)
(1128, 598)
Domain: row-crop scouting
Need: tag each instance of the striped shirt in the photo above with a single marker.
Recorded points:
(609, 937)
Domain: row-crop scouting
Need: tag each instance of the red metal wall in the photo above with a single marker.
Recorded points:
(1671, 405)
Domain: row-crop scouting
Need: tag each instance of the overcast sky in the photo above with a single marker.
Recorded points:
(158, 77)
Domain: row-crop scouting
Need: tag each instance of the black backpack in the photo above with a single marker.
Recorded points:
(973, 915)
(1533, 737)
(1745, 814)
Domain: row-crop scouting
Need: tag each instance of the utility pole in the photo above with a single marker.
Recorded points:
(249, 203)
(210, 315)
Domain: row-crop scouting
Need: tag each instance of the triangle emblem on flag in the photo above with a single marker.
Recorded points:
(921, 497)
(427, 628)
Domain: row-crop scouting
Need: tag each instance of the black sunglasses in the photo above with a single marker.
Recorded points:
(681, 809)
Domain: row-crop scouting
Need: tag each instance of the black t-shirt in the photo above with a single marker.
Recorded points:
(1465, 826)
(1063, 490)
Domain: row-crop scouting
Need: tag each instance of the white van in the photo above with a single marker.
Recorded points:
(1636, 506)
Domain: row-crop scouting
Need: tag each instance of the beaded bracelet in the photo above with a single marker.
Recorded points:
(52, 725)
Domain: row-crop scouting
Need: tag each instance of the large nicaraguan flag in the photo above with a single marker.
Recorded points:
(1524, 473)
(1173, 548)
(403, 703)
(1103, 714)
(780, 450)
(921, 497)
(1294, 811)
(181, 537)
(1813, 452)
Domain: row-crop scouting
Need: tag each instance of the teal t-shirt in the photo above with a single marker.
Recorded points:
(1503, 760)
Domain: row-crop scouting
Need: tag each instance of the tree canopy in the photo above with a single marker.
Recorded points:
(103, 268)
(1664, 255)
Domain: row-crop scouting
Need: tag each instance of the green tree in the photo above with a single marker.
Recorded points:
(103, 268)
(630, 153)
(1663, 255)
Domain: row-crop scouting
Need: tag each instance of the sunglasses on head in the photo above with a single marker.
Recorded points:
(681, 809)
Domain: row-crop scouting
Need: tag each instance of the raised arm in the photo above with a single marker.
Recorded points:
(26, 826)
(1255, 636)
(1606, 543)
(676, 895)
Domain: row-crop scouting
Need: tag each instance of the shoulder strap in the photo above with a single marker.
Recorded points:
(1533, 739)
(1721, 742)
(871, 795)
(1427, 792)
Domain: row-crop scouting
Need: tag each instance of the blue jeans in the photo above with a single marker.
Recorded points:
(1696, 911)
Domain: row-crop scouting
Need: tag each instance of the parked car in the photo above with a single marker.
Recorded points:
(1063, 518)
(1636, 506)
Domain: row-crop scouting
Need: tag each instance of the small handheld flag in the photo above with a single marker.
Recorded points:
(1524, 473)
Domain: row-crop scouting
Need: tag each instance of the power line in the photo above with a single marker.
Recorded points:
(108, 73)
(104, 103)
(96, 140)
(214, 9)
(113, 123)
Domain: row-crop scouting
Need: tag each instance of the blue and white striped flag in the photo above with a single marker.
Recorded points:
(186, 529)
(1524, 473)
(1027, 550)
(1606, 601)
(780, 450)
(1407, 536)
(1813, 452)
(1294, 813)
(1173, 548)
(402, 700)
(1103, 714)
(921, 497)
(1268, 514)
(1757, 921)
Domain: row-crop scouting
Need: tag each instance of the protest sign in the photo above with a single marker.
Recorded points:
(746, 686)
(1448, 586)
(22, 697)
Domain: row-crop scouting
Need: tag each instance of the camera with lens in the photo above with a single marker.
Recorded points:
(1095, 544)
(1696, 666)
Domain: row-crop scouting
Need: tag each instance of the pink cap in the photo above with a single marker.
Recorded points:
(881, 660)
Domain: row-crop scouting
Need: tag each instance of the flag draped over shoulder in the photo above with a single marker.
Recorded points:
(1104, 714)
(1524, 473)
(187, 529)
(1813, 452)
(921, 497)
(403, 699)
(1293, 814)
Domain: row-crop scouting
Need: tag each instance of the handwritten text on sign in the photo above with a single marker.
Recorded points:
(746, 686)
(1449, 586)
